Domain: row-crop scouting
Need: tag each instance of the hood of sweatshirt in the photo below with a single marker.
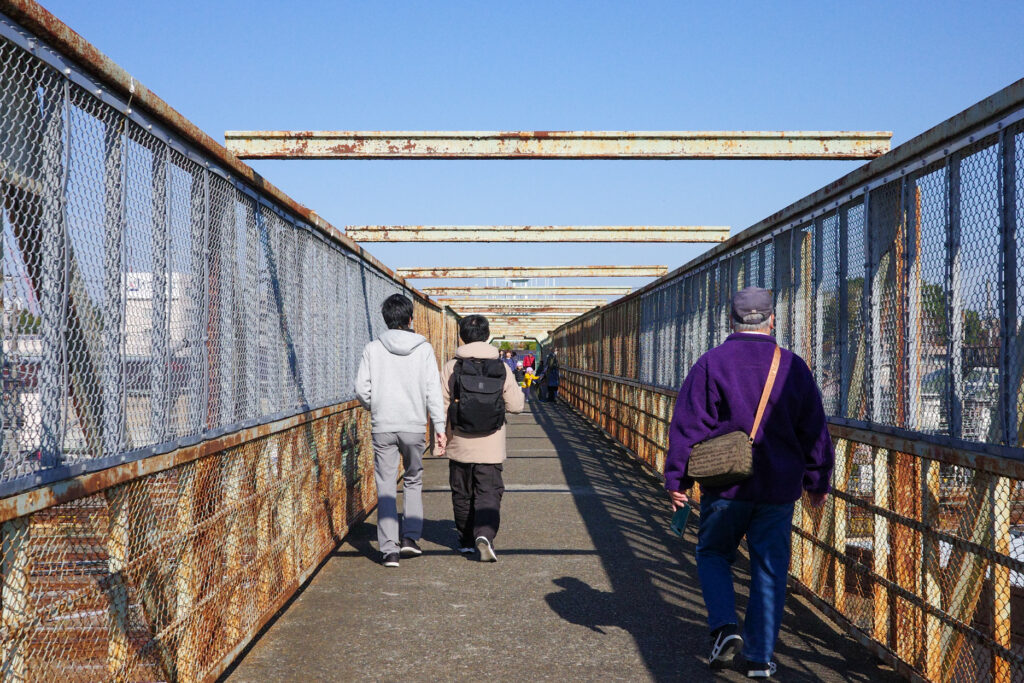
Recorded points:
(476, 350)
(401, 342)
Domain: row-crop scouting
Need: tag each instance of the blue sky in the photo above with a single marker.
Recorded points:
(557, 66)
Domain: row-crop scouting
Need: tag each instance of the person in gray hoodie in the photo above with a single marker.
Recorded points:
(398, 381)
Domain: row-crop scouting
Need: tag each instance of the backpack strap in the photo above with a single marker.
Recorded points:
(453, 404)
(766, 392)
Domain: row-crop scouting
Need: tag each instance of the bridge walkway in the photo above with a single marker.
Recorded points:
(590, 584)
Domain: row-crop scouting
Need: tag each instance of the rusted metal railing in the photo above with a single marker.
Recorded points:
(900, 285)
(179, 444)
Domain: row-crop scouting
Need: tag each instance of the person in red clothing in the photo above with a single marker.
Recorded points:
(792, 453)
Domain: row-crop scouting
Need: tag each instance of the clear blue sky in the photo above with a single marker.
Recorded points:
(897, 66)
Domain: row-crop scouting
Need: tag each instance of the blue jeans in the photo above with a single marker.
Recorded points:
(767, 527)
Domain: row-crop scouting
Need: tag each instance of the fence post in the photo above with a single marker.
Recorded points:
(51, 285)
(234, 468)
(118, 551)
(880, 545)
(286, 507)
(14, 597)
(159, 346)
(955, 302)
(113, 290)
(841, 480)
(1009, 339)
(1001, 605)
(264, 562)
(933, 645)
(187, 654)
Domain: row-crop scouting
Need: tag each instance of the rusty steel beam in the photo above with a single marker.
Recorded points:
(541, 144)
(533, 271)
(519, 291)
(570, 313)
(456, 302)
(538, 233)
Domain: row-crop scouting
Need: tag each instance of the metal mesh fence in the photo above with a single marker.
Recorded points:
(901, 289)
(150, 298)
(179, 345)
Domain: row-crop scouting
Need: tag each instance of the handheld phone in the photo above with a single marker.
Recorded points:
(678, 524)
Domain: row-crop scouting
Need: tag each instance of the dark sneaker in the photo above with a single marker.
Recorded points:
(390, 560)
(486, 550)
(761, 669)
(725, 645)
(466, 549)
(409, 548)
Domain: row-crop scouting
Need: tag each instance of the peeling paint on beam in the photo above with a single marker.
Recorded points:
(527, 303)
(538, 233)
(534, 271)
(544, 291)
(792, 144)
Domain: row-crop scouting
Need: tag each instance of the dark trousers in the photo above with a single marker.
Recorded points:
(552, 392)
(476, 500)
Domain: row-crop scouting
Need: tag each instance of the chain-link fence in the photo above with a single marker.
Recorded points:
(900, 285)
(179, 447)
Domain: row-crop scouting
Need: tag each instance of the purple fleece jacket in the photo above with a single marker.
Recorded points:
(792, 449)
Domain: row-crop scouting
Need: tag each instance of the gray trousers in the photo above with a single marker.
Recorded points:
(386, 450)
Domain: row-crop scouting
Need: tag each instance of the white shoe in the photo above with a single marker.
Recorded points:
(486, 550)
(761, 670)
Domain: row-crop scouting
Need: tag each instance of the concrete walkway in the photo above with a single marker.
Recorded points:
(589, 585)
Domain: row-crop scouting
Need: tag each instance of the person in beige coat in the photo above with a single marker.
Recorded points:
(476, 460)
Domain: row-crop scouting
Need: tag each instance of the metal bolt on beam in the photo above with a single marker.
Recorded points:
(538, 233)
(790, 144)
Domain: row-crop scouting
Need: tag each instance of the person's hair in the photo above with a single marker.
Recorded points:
(763, 326)
(397, 312)
(553, 360)
(474, 328)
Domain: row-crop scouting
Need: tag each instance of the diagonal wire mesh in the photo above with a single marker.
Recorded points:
(178, 352)
(903, 292)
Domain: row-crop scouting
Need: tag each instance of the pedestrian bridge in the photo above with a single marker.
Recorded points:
(186, 483)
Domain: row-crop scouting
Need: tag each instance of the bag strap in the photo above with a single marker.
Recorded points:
(766, 392)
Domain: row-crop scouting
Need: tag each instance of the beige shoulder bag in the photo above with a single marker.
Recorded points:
(728, 459)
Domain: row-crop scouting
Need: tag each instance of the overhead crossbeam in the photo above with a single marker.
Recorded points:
(561, 312)
(533, 271)
(525, 291)
(522, 303)
(541, 144)
(538, 233)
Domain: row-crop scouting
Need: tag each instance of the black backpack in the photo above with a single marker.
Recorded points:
(478, 403)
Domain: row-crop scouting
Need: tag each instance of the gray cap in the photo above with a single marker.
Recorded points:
(751, 305)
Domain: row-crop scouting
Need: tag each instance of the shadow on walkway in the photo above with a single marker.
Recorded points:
(655, 592)
(590, 585)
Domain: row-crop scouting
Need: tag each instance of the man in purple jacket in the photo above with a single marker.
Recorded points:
(792, 454)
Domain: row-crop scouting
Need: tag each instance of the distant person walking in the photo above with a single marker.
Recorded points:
(509, 360)
(792, 453)
(551, 377)
(398, 381)
(479, 389)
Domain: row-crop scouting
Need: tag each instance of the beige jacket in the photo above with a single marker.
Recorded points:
(479, 448)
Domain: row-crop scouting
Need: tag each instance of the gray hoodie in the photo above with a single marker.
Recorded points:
(398, 381)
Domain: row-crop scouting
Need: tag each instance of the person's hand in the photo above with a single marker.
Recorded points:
(816, 499)
(678, 498)
(440, 443)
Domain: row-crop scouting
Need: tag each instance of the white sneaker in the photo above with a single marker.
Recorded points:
(486, 550)
(761, 670)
